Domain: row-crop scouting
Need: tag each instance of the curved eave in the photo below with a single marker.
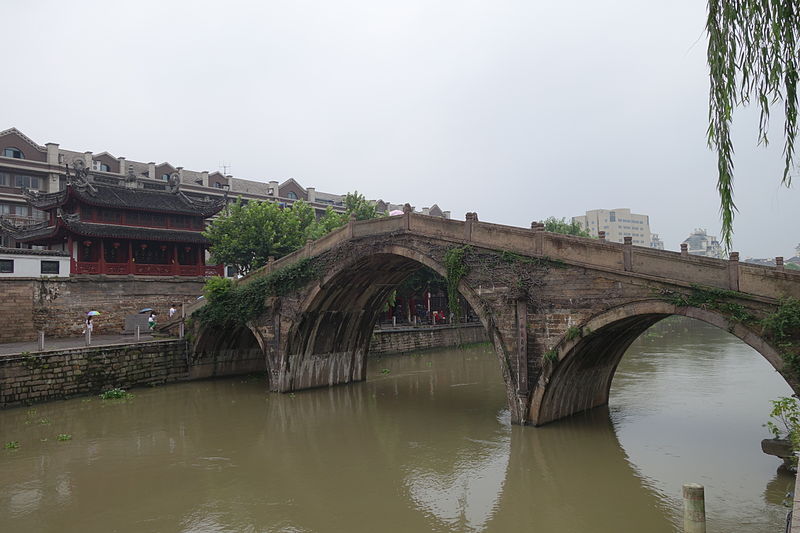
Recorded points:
(48, 200)
(89, 229)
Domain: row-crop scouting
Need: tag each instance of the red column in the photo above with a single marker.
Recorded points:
(175, 267)
(131, 263)
(72, 266)
(102, 259)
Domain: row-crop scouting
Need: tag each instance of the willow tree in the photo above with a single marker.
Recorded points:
(752, 55)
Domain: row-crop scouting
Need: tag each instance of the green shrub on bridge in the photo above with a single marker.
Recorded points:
(230, 304)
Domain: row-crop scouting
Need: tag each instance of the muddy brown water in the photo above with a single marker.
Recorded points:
(424, 445)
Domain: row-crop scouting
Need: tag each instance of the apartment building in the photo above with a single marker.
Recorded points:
(618, 224)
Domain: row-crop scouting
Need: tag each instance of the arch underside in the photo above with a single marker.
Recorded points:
(227, 352)
(329, 342)
(582, 377)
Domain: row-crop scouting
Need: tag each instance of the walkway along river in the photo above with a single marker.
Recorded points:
(424, 445)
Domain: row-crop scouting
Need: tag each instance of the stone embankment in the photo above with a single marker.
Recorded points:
(62, 373)
(413, 339)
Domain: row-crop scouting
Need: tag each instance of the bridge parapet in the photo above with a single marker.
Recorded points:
(763, 281)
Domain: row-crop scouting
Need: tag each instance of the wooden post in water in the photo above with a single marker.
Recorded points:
(694, 508)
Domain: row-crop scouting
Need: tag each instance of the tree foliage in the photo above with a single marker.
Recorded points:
(556, 225)
(752, 54)
(247, 234)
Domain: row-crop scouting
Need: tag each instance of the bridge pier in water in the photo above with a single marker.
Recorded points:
(560, 311)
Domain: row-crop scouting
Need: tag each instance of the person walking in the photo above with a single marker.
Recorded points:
(151, 320)
(87, 325)
(172, 310)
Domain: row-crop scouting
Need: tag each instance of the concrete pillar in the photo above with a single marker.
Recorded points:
(350, 223)
(522, 357)
(733, 271)
(151, 170)
(627, 254)
(779, 263)
(309, 246)
(41, 340)
(52, 154)
(601, 235)
(204, 178)
(180, 174)
(273, 187)
(538, 237)
(694, 508)
(311, 192)
(123, 164)
(684, 249)
(87, 160)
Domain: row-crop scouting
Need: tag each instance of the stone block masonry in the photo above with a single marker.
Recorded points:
(59, 305)
(36, 377)
(405, 340)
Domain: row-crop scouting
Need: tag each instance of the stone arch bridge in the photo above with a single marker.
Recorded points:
(559, 310)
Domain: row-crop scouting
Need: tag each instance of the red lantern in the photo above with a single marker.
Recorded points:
(163, 247)
(143, 246)
(115, 245)
(187, 249)
(87, 243)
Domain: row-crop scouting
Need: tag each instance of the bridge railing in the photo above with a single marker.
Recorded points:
(580, 251)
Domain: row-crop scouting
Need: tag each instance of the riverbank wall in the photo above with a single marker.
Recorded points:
(58, 306)
(414, 339)
(32, 377)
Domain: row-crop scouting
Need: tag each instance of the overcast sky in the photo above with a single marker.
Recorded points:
(515, 109)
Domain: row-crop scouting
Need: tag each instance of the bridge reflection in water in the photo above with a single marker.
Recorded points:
(426, 445)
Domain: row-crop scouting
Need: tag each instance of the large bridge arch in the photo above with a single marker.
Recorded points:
(221, 351)
(337, 315)
(581, 377)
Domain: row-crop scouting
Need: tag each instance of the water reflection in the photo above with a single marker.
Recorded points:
(424, 445)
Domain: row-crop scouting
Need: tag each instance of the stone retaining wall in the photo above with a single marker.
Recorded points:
(403, 340)
(35, 377)
(59, 305)
(40, 376)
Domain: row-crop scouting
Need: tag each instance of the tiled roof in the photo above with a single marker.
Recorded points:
(102, 195)
(90, 229)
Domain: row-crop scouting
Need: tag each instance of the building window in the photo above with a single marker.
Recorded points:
(102, 167)
(291, 195)
(31, 182)
(16, 153)
(6, 266)
(49, 267)
(218, 185)
(612, 216)
(165, 177)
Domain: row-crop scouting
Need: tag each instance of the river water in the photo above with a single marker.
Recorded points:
(424, 445)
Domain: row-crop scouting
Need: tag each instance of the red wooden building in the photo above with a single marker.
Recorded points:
(122, 228)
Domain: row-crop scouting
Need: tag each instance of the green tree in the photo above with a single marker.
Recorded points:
(356, 204)
(328, 222)
(753, 53)
(562, 226)
(247, 234)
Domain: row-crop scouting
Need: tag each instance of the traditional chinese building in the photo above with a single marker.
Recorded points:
(121, 228)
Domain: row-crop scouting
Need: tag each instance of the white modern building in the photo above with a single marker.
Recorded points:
(618, 224)
(699, 242)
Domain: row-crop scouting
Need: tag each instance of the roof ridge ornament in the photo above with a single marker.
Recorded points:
(80, 178)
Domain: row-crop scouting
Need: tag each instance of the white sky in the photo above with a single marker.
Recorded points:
(515, 109)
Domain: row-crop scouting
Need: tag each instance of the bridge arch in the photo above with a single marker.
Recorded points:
(337, 316)
(582, 376)
(221, 351)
